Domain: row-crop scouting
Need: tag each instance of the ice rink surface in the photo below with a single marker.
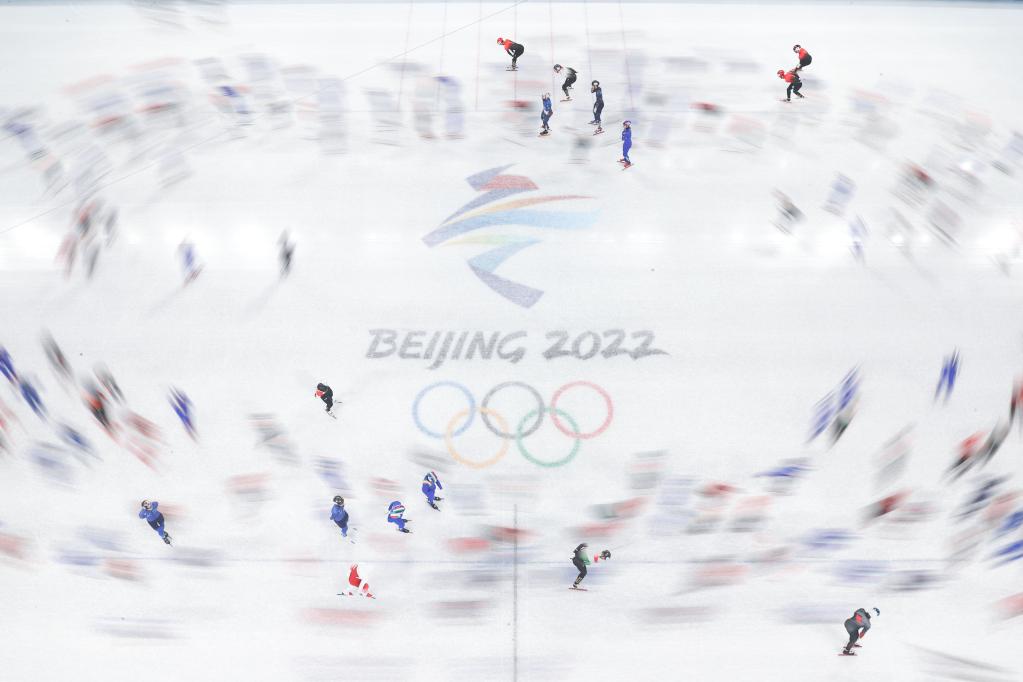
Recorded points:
(627, 358)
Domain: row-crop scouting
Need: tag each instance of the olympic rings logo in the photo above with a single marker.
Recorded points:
(495, 422)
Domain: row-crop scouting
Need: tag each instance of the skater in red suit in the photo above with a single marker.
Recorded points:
(512, 48)
(355, 581)
(804, 57)
(792, 78)
(859, 621)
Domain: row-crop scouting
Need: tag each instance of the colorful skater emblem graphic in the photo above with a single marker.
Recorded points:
(482, 213)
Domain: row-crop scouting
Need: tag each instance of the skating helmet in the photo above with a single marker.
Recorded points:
(595, 84)
(795, 48)
(877, 611)
(781, 72)
(627, 123)
(145, 504)
(557, 68)
(339, 500)
(500, 41)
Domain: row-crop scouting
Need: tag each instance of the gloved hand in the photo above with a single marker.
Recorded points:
(605, 554)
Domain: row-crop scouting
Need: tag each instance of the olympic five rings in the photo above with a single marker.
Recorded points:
(532, 419)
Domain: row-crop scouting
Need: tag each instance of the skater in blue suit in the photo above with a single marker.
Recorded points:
(546, 114)
(339, 516)
(7, 366)
(395, 510)
(183, 408)
(31, 396)
(949, 372)
(626, 143)
(430, 485)
(150, 513)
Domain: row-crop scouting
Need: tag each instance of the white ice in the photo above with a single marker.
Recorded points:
(757, 326)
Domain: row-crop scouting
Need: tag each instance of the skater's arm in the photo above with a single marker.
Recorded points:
(153, 506)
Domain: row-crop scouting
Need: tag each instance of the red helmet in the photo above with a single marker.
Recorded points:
(781, 72)
(500, 41)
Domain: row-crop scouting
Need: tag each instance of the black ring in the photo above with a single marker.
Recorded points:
(541, 408)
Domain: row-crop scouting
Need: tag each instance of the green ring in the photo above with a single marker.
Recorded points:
(525, 453)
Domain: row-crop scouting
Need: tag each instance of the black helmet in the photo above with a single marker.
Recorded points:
(595, 84)
(557, 68)
(877, 611)
(795, 48)
(339, 500)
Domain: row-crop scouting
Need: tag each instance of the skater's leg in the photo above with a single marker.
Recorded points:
(429, 491)
(329, 402)
(582, 571)
(599, 108)
(625, 151)
(157, 525)
(854, 634)
(796, 86)
(788, 92)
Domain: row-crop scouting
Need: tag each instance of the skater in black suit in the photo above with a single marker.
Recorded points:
(569, 78)
(859, 621)
(326, 394)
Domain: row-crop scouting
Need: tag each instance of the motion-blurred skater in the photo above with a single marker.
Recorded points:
(287, 248)
(182, 407)
(32, 398)
(1015, 403)
(96, 401)
(7, 366)
(949, 373)
(189, 261)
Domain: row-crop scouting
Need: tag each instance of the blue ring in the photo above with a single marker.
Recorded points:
(465, 391)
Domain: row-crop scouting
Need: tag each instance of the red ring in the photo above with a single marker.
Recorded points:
(573, 434)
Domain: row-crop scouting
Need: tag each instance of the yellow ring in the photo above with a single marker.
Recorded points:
(449, 431)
